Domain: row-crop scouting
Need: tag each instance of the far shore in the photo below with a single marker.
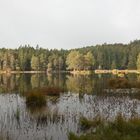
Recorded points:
(16, 72)
(116, 71)
(99, 71)
(84, 72)
(30, 72)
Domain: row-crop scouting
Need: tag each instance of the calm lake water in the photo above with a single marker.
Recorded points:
(83, 96)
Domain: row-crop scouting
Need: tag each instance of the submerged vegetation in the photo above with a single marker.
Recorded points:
(119, 129)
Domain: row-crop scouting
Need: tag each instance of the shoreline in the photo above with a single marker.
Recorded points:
(84, 72)
(116, 71)
(20, 72)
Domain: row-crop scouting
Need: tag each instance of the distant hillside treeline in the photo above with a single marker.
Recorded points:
(106, 56)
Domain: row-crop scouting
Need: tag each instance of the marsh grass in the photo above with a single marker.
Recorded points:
(122, 83)
(43, 119)
(36, 110)
(119, 129)
(52, 91)
(86, 124)
(49, 91)
(119, 83)
(35, 99)
(17, 114)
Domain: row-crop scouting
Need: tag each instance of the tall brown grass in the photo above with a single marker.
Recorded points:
(123, 83)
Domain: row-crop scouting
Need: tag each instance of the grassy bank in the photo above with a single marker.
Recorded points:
(119, 129)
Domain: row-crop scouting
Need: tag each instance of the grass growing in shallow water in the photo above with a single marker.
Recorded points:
(122, 83)
(119, 129)
(51, 91)
(86, 124)
(35, 99)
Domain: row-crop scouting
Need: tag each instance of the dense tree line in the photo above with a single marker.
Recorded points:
(27, 58)
(106, 56)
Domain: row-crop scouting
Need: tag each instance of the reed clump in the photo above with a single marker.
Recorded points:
(119, 83)
(123, 83)
(86, 124)
(119, 129)
(51, 91)
(35, 99)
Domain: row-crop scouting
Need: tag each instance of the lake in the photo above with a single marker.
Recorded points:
(82, 96)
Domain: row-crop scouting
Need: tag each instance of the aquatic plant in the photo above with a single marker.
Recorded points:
(51, 91)
(122, 83)
(72, 136)
(119, 83)
(43, 119)
(36, 110)
(86, 124)
(17, 114)
(35, 99)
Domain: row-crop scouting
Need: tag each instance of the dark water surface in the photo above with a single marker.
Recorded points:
(83, 96)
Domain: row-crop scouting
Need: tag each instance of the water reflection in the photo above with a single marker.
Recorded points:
(80, 84)
(82, 97)
(23, 82)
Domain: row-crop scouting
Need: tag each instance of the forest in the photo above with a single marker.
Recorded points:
(105, 56)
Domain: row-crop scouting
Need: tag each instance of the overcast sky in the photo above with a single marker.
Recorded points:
(68, 23)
